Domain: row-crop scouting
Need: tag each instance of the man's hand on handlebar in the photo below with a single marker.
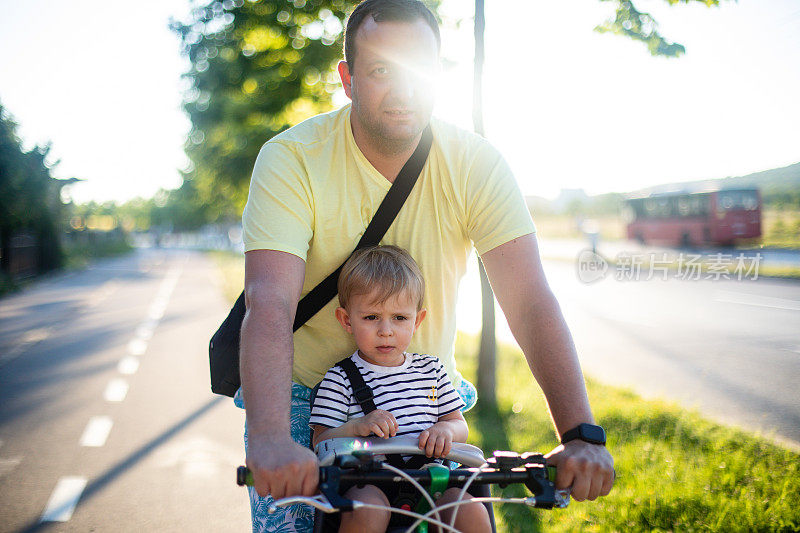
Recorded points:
(281, 467)
(587, 468)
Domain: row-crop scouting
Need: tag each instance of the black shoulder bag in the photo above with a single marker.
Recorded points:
(223, 350)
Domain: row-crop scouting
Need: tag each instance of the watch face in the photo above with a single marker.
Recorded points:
(592, 433)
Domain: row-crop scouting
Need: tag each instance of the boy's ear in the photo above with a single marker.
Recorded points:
(420, 317)
(344, 319)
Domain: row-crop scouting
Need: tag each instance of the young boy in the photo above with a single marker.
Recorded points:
(380, 296)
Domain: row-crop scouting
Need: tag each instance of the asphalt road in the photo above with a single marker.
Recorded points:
(104, 397)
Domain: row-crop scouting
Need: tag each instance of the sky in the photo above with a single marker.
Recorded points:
(568, 107)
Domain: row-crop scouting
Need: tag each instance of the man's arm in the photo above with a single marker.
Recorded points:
(535, 319)
(273, 282)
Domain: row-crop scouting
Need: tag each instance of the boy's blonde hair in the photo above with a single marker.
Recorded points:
(385, 271)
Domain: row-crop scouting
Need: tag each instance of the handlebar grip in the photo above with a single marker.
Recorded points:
(244, 477)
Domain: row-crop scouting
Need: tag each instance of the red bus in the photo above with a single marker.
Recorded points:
(686, 218)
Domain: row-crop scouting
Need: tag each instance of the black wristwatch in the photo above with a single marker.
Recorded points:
(585, 432)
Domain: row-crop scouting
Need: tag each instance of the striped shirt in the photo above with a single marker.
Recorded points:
(417, 393)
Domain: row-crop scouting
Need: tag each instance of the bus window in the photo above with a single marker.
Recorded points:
(728, 200)
(750, 201)
(684, 206)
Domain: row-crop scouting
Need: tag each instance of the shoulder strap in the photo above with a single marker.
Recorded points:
(366, 399)
(323, 293)
(361, 391)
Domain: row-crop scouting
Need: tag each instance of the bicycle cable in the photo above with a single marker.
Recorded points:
(416, 484)
(464, 491)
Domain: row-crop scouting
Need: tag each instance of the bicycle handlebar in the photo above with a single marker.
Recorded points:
(360, 467)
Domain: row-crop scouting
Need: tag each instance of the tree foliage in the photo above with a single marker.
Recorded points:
(30, 198)
(168, 210)
(640, 26)
(257, 68)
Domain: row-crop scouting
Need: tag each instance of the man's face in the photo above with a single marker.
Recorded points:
(393, 80)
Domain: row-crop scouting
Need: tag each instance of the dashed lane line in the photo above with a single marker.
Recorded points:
(116, 390)
(68, 490)
(145, 330)
(128, 365)
(96, 432)
(137, 347)
(64, 498)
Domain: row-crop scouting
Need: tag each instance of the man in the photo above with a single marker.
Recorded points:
(314, 190)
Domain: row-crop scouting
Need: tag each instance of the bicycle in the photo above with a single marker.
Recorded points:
(346, 462)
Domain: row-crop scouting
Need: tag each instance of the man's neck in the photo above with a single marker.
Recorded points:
(387, 159)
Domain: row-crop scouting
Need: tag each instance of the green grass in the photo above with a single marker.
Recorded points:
(78, 255)
(676, 470)
(781, 228)
(231, 266)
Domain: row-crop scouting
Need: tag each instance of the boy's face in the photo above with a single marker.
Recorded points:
(382, 331)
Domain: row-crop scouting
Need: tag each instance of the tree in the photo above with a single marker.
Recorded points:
(640, 26)
(30, 199)
(258, 67)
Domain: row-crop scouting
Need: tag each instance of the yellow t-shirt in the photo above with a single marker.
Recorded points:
(313, 193)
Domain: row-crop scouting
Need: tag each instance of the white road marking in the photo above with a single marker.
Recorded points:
(128, 365)
(7, 464)
(756, 300)
(137, 347)
(145, 330)
(64, 499)
(155, 313)
(96, 431)
(116, 390)
(159, 305)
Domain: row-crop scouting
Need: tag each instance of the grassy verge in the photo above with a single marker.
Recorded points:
(676, 470)
(79, 255)
(231, 266)
(611, 228)
(781, 228)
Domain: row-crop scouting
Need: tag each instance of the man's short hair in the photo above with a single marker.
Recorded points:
(386, 11)
(383, 271)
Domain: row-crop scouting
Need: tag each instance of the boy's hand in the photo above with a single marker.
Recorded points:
(379, 422)
(437, 440)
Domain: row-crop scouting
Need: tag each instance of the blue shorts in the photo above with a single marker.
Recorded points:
(300, 518)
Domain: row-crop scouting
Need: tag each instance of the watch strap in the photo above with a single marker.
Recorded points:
(583, 432)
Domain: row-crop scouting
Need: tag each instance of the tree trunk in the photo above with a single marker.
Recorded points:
(487, 352)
